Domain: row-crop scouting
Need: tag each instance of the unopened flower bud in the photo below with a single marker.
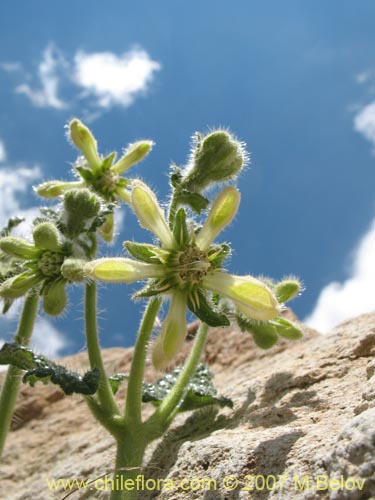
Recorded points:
(19, 247)
(54, 189)
(133, 154)
(80, 206)
(106, 230)
(54, 297)
(217, 157)
(287, 289)
(150, 215)
(251, 297)
(83, 139)
(173, 333)
(73, 269)
(222, 212)
(47, 236)
(120, 270)
(15, 287)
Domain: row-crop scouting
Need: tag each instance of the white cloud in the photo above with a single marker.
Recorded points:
(340, 301)
(100, 79)
(364, 122)
(114, 80)
(46, 96)
(14, 182)
(3, 154)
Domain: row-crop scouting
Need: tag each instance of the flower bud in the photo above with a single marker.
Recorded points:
(80, 208)
(173, 333)
(121, 270)
(47, 236)
(150, 215)
(19, 247)
(287, 289)
(106, 230)
(15, 287)
(251, 297)
(73, 269)
(54, 297)
(83, 139)
(217, 157)
(133, 154)
(222, 212)
(53, 189)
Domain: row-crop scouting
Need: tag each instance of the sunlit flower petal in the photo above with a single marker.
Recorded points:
(150, 215)
(120, 270)
(173, 332)
(252, 297)
(222, 212)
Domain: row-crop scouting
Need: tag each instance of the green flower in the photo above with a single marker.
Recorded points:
(42, 266)
(188, 267)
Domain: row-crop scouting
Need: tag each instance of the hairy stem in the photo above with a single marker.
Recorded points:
(104, 393)
(13, 377)
(134, 391)
(170, 403)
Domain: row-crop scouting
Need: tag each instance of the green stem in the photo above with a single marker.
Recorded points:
(129, 459)
(173, 209)
(170, 403)
(134, 391)
(13, 377)
(105, 393)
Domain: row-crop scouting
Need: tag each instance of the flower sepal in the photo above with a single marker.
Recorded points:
(203, 307)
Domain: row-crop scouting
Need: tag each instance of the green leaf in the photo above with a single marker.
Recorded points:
(107, 162)
(42, 369)
(287, 329)
(116, 380)
(201, 305)
(143, 251)
(180, 230)
(152, 288)
(200, 391)
(218, 253)
(195, 201)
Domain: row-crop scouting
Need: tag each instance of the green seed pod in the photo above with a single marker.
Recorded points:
(54, 297)
(19, 247)
(287, 289)
(47, 236)
(15, 287)
(217, 157)
(133, 154)
(72, 269)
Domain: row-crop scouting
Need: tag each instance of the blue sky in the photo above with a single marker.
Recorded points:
(294, 80)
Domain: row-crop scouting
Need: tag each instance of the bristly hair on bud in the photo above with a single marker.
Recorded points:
(215, 157)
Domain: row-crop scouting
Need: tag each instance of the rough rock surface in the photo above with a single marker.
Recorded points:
(302, 427)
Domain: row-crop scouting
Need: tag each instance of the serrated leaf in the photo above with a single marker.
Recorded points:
(287, 329)
(175, 177)
(12, 223)
(39, 368)
(152, 288)
(195, 201)
(180, 230)
(201, 305)
(200, 391)
(142, 251)
(116, 380)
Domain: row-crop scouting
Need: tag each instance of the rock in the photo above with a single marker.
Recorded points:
(302, 426)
